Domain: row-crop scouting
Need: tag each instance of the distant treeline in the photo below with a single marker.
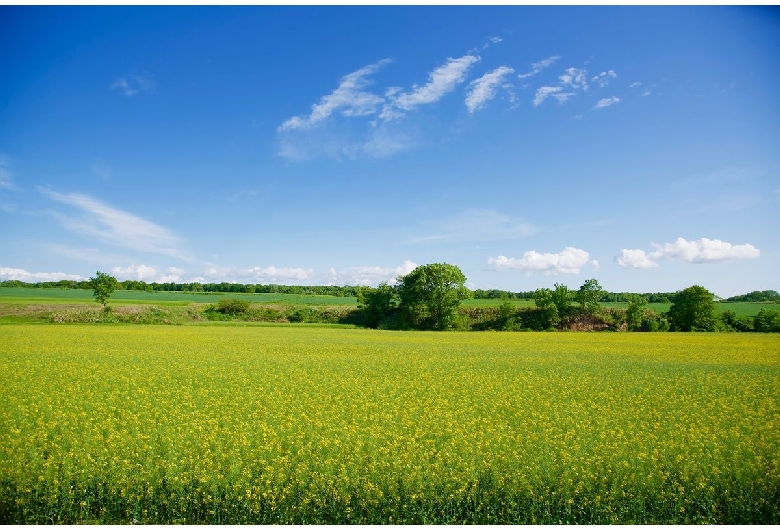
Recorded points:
(348, 290)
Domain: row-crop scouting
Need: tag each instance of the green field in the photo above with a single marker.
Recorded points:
(19, 295)
(289, 424)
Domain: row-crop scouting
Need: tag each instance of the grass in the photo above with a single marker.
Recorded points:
(307, 425)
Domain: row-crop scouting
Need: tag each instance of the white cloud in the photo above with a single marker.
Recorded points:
(103, 222)
(603, 78)
(7, 273)
(544, 92)
(704, 251)
(372, 276)
(569, 261)
(606, 102)
(134, 84)
(484, 88)
(538, 67)
(135, 272)
(575, 78)
(349, 97)
(441, 81)
(635, 84)
(646, 93)
(634, 259)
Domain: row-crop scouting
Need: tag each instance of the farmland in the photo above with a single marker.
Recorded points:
(291, 424)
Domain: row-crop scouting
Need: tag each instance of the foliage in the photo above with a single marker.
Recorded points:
(290, 425)
(635, 312)
(548, 310)
(588, 296)
(232, 307)
(767, 321)
(430, 296)
(103, 285)
(757, 296)
(561, 298)
(378, 304)
(693, 309)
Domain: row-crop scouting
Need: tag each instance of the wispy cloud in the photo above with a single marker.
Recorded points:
(7, 273)
(110, 225)
(134, 85)
(570, 260)
(544, 92)
(484, 89)
(349, 98)
(603, 78)
(635, 84)
(372, 276)
(704, 251)
(476, 224)
(606, 102)
(538, 67)
(441, 81)
(634, 259)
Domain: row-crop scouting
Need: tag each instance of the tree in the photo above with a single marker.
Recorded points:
(543, 298)
(102, 286)
(693, 309)
(430, 295)
(561, 297)
(635, 311)
(377, 304)
(588, 296)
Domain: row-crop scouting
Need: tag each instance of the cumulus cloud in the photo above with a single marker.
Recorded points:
(114, 226)
(368, 276)
(538, 67)
(569, 261)
(704, 251)
(349, 98)
(606, 102)
(441, 81)
(7, 273)
(484, 89)
(603, 78)
(134, 85)
(634, 259)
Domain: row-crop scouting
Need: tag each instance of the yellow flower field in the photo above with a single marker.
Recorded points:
(264, 424)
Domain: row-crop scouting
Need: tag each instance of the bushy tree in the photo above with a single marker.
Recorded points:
(693, 309)
(635, 311)
(767, 321)
(103, 285)
(561, 297)
(543, 298)
(588, 296)
(377, 304)
(430, 296)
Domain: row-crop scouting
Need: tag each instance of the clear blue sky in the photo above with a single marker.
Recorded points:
(345, 145)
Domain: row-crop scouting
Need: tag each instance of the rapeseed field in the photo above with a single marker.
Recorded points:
(148, 424)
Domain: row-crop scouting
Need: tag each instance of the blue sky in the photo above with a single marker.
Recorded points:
(345, 145)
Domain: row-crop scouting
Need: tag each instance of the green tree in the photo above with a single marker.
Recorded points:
(635, 312)
(377, 304)
(430, 295)
(588, 296)
(693, 309)
(767, 321)
(543, 298)
(561, 297)
(103, 285)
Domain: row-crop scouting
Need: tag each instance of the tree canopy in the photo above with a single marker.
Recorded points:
(693, 309)
(430, 295)
(103, 285)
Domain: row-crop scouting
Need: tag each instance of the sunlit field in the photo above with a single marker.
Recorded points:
(191, 424)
